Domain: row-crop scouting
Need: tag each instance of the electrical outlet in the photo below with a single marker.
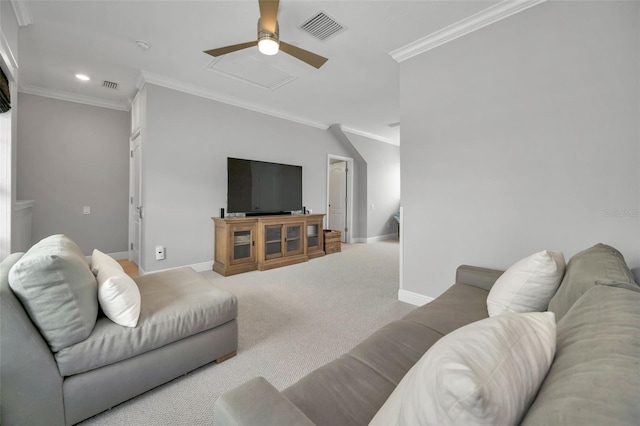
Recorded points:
(86, 210)
(159, 253)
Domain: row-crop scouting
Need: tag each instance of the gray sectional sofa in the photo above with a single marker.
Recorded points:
(62, 362)
(594, 378)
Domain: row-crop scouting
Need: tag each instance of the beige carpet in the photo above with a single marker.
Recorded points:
(292, 320)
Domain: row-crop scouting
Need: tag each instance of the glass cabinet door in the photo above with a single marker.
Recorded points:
(312, 235)
(273, 241)
(242, 245)
(293, 239)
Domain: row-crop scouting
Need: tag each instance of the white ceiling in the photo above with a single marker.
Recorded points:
(358, 87)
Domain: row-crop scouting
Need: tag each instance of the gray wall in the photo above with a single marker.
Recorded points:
(520, 137)
(72, 155)
(186, 145)
(383, 184)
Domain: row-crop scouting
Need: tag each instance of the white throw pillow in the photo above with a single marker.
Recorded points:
(119, 296)
(101, 260)
(485, 373)
(528, 285)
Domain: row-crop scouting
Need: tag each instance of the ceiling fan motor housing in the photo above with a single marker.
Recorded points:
(264, 34)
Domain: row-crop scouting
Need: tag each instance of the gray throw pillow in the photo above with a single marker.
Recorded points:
(594, 378)
(58, 290)
(598, 263)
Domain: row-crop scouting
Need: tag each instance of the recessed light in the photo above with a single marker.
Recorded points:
(82, 77)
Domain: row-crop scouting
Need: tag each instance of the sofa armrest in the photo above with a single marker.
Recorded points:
(257, 402)
(31, 383)
(477, 277)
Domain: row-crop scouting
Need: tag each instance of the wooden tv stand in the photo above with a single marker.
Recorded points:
(245, 244)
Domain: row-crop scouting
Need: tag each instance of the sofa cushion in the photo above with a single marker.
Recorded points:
(460, 305)
(345, 391)
(55, 285)
(594, 378)
(351, 389)
(487, 372)
(528, 285)
(395, 348)
(174, 304)
(118, 296)
(598, 263)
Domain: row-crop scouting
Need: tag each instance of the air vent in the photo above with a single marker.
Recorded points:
(322, 26)
(109, 84)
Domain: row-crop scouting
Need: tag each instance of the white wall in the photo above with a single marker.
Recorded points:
(383, 184)
(519, 137)
(187, 142)
(72, 155)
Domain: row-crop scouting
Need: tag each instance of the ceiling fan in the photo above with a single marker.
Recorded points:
(269, 38)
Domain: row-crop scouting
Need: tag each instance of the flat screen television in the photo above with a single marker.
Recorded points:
(259, 187)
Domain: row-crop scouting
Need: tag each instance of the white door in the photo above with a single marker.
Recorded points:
(135, 196)
(338, 197)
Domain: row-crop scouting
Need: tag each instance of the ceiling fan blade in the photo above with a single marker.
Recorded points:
(228, 49)
(304, 55)
(269, 14)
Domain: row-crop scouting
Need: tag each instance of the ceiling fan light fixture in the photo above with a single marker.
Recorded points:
(268, 46)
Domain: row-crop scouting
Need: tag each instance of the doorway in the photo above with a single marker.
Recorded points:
(135, 197)
(339, 198)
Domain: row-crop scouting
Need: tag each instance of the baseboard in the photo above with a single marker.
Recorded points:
(413, 298)
(198, 267)
(121, 255)
(202, 267)
(393, 236)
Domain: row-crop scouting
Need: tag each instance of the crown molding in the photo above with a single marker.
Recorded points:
(140, 81)
(170, 83)
(192, 89)
(71, 97)
(369, 135)
(463, 27)
(22, 11)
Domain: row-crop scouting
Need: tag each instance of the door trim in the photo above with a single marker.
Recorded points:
(136, 135)
(350, 173)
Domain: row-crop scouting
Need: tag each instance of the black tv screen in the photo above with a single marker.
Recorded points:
(260, 187)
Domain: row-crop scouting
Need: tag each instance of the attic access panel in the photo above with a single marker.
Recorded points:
(250, 70)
